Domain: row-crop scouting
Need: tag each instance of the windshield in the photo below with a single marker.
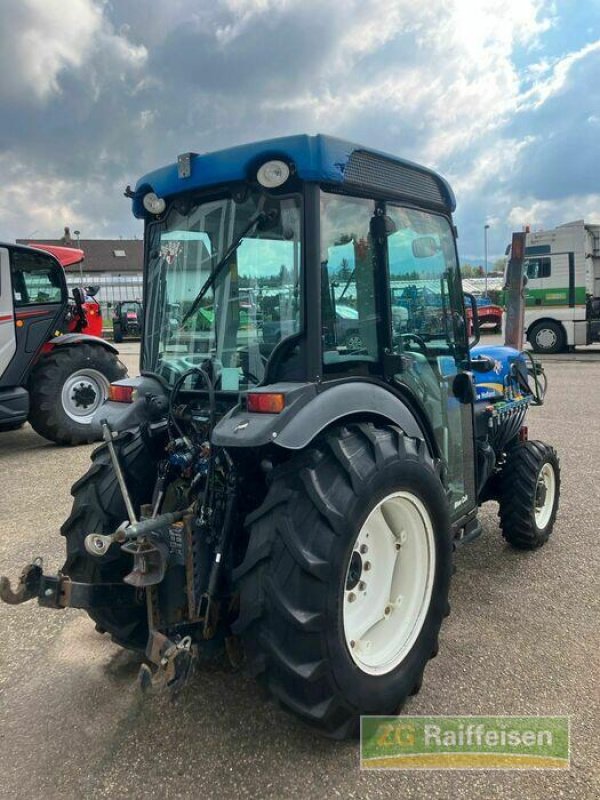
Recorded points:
(254, 303)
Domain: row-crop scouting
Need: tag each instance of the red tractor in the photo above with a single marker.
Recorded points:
(55, 370)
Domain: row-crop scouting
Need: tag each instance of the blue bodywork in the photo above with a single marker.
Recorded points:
(315, 158)
(490, 386)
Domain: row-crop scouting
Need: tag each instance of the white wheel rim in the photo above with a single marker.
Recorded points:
(388, 584)
(544, 495)
(546, 338)
(83, 393)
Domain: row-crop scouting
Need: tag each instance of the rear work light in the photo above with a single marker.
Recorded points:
(121, 394)
(265, 402)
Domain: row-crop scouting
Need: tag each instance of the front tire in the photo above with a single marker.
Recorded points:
(304, 634)
(548, 337)
(529, 494)
(66, 389)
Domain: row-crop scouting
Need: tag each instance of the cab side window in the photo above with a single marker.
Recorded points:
(36, 279)
(348, 298)
(537, 268)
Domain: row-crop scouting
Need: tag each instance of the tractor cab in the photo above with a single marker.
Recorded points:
(310, 261)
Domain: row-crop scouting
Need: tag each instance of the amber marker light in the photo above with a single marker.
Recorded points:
(265, 402)
(121, 394)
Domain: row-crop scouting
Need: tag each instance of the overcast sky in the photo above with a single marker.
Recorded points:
(501, 96)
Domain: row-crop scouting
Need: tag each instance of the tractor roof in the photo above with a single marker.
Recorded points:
(315, 158)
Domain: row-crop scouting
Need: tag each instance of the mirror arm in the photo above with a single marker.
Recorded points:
(474, 319)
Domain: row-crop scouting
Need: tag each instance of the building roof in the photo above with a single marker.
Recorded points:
(314, 158)
(102, 255)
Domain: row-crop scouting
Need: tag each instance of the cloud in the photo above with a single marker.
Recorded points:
(96, 97)
(541, 214)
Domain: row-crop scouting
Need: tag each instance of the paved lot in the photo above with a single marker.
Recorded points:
(523, 637)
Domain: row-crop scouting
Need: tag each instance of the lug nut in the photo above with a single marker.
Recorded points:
(363, 549)
(351, 597)
(387, 611)
(361, 586)
(367, 566)
(352, 643)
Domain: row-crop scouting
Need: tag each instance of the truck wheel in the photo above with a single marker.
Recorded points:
(117, 334)
(353, 341)
(66, 389)
(547, 337)
(345, 581)
(98, 507)
(529, 494)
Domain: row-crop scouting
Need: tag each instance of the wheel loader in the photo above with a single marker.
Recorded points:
(292, 498)
(55, 369)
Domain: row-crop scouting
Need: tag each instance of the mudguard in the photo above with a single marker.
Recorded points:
(78, 338)
(308, 412)
(122, 416)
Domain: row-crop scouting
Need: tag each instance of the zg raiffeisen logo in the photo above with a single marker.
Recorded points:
(465, 743)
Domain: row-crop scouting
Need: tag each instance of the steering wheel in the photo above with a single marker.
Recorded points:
(414, 337)
(249, 376)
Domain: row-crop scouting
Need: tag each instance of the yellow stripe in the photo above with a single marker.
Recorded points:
(465, 761)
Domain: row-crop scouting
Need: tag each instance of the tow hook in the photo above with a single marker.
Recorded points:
(34, 584)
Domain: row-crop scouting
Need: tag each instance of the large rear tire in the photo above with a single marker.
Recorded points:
(98, 507)
(353, 532)
(66, 389)
(529, 494)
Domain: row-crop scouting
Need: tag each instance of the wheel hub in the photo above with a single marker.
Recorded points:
(83, 393)
(389, 581)
(546, 338)
(354, 571)
(545, 493)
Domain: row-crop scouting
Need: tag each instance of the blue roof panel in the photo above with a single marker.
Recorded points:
(316, 158)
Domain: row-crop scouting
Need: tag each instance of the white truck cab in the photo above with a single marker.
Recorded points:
(563, 287)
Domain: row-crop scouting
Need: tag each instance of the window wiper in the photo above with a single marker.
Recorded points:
(255, 220)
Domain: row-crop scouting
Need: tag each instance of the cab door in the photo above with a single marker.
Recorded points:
(39, 297)
(8, 341)
(429, 343)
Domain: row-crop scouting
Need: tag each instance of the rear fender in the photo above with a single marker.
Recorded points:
(308, 412)
(78, 338)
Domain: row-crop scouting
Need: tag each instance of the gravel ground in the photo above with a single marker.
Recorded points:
(522, 638)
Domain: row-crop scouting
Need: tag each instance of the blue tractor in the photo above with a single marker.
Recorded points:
(268, 487)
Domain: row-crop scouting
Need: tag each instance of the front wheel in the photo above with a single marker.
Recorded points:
(548, 337)
(529, 494)
(345, 581)
(66, 389)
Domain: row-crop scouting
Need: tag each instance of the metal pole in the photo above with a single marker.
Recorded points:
(515, 294)
(485, 246)
(77, 234)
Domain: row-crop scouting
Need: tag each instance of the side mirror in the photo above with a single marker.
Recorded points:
(474, 333)
(425, 247)
(92, 291)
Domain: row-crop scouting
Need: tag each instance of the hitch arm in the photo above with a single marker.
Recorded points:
(59, 591)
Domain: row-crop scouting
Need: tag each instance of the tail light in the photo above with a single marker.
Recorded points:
(265, 402)
(121, 394)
